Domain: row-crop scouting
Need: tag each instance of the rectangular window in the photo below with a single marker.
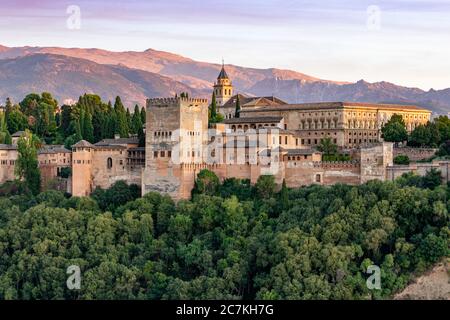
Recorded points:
(155, 154)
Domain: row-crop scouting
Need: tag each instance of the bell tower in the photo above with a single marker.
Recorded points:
(223, 88)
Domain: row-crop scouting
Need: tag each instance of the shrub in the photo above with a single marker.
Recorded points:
(401, 160)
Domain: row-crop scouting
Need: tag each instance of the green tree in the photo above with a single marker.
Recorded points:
(66, 118)
(443, 125)
(121, 118)
(8, 104)
(238, 108)
(284, 196)
(143, 116)
(88, 129)
(401, 160)
(207, 182)
(265, 186)
(327, 147)
(16, 120)
(213, 108)
(136, 123)
(420, 136)
(395, 130)
(3, 128)
(27, 162)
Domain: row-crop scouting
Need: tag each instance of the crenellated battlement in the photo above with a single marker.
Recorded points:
(336, 164)
(158, 102)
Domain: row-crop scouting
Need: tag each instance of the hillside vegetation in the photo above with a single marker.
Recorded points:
(231, 241)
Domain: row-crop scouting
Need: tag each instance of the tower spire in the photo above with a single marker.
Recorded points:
(223, 89)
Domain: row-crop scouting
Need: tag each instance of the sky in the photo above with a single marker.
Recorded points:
(399, 41)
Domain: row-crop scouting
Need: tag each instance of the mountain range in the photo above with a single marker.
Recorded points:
(69, 72)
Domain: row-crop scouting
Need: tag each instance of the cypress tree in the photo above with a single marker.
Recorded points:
(136, 123)
(88, 134)
(8, 106)
(238, 108)
(78, 135)
(128, 116)
(213, 109)
(143, 115)
(284, 196)
(81, 122)
(121, 118)
(8, 138)
(27, 165)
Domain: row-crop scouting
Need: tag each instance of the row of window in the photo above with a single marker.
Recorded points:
(81, 161)
(317, 125)
(280, 140)
(315, 141)
(362, 124)
(356, 141)
(298, 158)
(316, 114)
(226, 92)
(5, 162)
(163, 133)
(162, 154)
(253, 126)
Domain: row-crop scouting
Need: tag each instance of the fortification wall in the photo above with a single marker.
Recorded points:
(415, 154)
(421, 169)
(323, 173)
(7, 165)
(109, 166)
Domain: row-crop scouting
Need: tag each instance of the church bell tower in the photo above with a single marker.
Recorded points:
(223, 88)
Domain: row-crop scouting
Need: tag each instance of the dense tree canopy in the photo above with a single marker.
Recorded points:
(90, 119)
(26, 168)
(236, 242)
(395, 129)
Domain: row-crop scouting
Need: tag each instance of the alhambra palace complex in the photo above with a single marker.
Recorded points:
(270, 136)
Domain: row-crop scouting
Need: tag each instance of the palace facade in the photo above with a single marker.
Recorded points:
(267, 136)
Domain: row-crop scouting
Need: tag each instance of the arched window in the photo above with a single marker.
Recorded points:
(109, 163)
(318, 178)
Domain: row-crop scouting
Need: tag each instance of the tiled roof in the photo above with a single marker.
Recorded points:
(297, 152)
(253, 101)
(119, 141)
(336, 105)
(83, 144)
(7, 147)
(253, 120)
(53, 149)
(223, 74)
(18, 134)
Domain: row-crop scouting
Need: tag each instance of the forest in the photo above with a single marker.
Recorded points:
(232, 240)
(89, 118)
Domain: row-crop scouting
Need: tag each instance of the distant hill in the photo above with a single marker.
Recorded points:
(361, 91)
(68, 78)
(176, 73)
